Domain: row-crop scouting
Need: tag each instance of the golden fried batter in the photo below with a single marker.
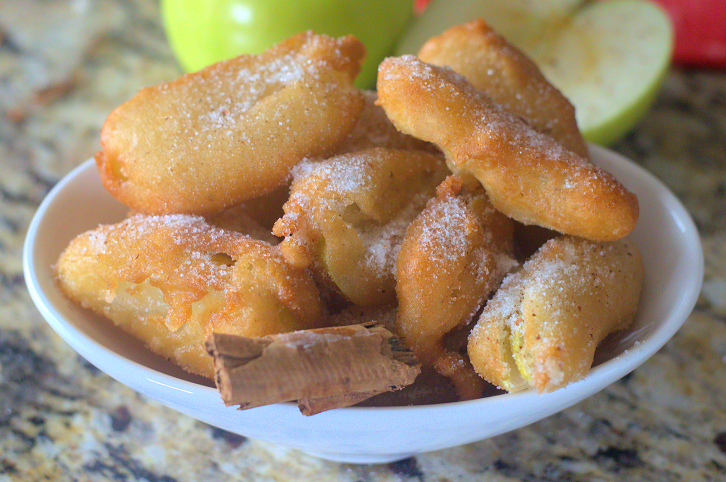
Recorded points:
(454, 255)
(171, 280)
(509, 77)
(239, 219)
(231, 132)
(541, 329)
(374, 129)
(347, 215)
(527, 175)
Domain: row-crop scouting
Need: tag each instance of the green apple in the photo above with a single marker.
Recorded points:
(204, 32)
(608, 57)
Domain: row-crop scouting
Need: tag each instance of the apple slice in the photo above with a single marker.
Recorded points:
(607, 57)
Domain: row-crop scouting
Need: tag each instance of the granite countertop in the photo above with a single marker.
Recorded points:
(65, 64)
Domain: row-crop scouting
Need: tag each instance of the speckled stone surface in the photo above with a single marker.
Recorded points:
(65, 64)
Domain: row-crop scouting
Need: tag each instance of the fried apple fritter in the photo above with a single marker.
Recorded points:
(375, 129)
(454, 255)
(527, 175)
(231, 132)
(238, 219)
(509, 77)
(541, 328)
(347, 215)
(171, 280)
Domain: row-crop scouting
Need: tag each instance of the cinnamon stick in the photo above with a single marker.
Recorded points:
(322, 369)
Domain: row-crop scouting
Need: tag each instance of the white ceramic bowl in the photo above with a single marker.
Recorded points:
(665, 234)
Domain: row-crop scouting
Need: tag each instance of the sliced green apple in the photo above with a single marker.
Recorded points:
(608, 57)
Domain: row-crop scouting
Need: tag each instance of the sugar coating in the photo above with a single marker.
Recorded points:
(547, 318)
(228, 133)
(527, 174)
(348, 214)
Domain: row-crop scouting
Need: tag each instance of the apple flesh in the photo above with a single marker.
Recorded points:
(203, 32)
(607, 57)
